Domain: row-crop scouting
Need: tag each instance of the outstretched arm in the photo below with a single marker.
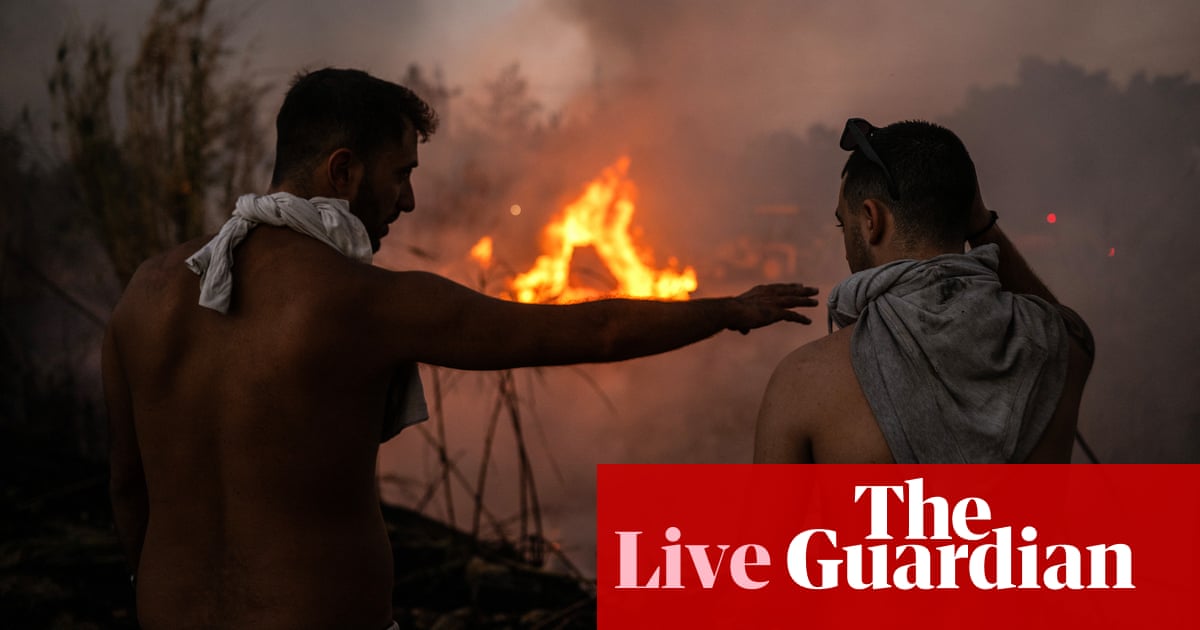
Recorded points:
(127, 483)
(446, 324)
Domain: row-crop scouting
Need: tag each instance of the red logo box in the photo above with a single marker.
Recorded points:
(732, 546)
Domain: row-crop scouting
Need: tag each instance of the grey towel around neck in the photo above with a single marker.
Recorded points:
(328, 220)
(955, 369)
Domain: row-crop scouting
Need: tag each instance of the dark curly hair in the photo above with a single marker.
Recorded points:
(333, 108)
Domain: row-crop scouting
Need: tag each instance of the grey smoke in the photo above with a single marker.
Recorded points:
(730, 113)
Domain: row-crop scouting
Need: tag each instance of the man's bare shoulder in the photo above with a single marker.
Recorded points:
(802, 390)
(815, 411)
(819, 376)
(272, 268)
(824, 360)
(153, 276)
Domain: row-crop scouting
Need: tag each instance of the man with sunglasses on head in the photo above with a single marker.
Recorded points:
(940, 355)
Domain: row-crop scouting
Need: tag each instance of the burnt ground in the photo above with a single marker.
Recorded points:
(62, 567)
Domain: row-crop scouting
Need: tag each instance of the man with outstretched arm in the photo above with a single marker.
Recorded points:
(250, 377)
(941, 356)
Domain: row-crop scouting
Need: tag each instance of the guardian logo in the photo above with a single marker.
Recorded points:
(904, 566)
(976, 546)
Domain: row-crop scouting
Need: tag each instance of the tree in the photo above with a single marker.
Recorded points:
(190, 136)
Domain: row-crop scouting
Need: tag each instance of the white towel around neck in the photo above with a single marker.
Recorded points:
(325, 219)
(329, 221)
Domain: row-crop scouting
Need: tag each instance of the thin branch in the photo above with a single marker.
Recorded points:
(486, 461)
(442, 448)
(461, 479)
(528, 487)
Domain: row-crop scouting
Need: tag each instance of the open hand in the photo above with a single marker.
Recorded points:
(769, 303)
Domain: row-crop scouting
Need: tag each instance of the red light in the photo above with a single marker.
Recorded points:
(1051, 218)
(1112, 251)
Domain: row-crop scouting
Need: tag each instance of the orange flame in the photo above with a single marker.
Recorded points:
(599, 218)
(482, 252)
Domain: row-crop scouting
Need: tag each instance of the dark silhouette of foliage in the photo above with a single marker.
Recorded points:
(189, 142)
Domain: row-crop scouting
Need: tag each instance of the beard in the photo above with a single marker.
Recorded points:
(364, 206)
(858, 255)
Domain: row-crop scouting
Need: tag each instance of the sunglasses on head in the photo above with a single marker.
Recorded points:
(857, 135)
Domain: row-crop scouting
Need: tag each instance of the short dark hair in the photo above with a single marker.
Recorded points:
(332, 108)
(934, 177)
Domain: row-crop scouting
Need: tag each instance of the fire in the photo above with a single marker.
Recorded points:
(482, 252)
(600, 218)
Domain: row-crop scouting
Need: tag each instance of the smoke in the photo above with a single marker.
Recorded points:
(770, 65)
(730, 114)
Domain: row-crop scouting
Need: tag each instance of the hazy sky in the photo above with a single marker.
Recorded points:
(759, 64)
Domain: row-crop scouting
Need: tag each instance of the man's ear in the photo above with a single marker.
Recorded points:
(877, 218)
(344, 172)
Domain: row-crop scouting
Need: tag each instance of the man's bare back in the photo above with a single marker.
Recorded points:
(258, 432)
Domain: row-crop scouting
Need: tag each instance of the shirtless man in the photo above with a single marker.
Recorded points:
(941, 356)
(245, 431)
